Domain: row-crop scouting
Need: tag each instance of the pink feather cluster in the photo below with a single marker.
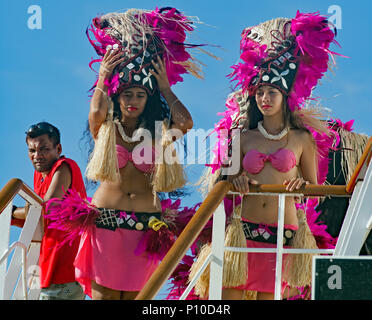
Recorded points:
(324, 144)
(169, 26)
(179, 277)
(157, 243)
(179, 280)
(323, 239)
(337, 124)
(229, 116)
(313, 37)
(102, 40)
(252, 54)
(71, 214)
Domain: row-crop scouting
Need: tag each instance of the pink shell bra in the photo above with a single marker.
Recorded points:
(282, 160)
(139, 159)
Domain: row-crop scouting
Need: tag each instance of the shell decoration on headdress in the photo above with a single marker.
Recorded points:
(142, 35)
(289, 54)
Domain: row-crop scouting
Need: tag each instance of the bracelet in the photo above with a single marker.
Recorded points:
(99, 89)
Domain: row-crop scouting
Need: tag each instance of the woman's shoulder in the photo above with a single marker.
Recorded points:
(302, 135)
(246, 133)
(301, 132)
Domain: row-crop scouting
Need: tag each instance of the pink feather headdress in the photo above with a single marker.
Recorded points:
(289, 54)
(142, 35)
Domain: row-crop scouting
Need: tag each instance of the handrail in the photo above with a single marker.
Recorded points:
(10, 190)
(7, 193)
(308, 190)
(24, 259)
(184, 241)
(202, 216)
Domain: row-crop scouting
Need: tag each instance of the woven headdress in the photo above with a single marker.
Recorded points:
(289, 54)
(141, 35)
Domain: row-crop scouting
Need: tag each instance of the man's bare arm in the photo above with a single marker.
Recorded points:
(61, 182)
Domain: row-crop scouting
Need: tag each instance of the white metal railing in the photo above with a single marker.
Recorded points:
(354, 231)
(216, 256)
(24, 263)
(15, 280)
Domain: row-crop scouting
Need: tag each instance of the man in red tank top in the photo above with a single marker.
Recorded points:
(54, 174)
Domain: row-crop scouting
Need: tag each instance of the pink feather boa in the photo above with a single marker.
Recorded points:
(229, 116)
(70, 214)
(158, 243)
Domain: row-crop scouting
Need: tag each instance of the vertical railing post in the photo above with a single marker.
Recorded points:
(355, 229)
(5, 218)
(217, 250)
(279, 249)
(15, 265)
(184, 240)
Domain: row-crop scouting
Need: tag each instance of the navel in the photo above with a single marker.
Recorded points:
(131, 195)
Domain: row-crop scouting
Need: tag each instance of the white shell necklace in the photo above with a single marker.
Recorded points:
(269, 136)
(136, 136)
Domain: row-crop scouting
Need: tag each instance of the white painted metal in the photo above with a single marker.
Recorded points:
(33, 271)
(217, 251)
(23, 264)
(218, 243)
(279, 248)
(369, 224)
(32, 274)
(197, 275)
(16, 264)
(5, 218)
(355, 227)
(30, 199)
(285, 250)
(312, 278)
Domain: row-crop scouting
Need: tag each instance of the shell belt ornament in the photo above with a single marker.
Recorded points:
(112, 219)
(156, 224)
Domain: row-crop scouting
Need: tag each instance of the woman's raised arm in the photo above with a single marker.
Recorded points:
(98, 104)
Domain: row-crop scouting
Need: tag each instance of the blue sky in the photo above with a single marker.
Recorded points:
(45, 75)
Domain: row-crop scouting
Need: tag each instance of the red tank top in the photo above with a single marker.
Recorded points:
(56, 264)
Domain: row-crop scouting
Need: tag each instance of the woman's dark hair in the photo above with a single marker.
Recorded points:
(156, 109)
(290, 119)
